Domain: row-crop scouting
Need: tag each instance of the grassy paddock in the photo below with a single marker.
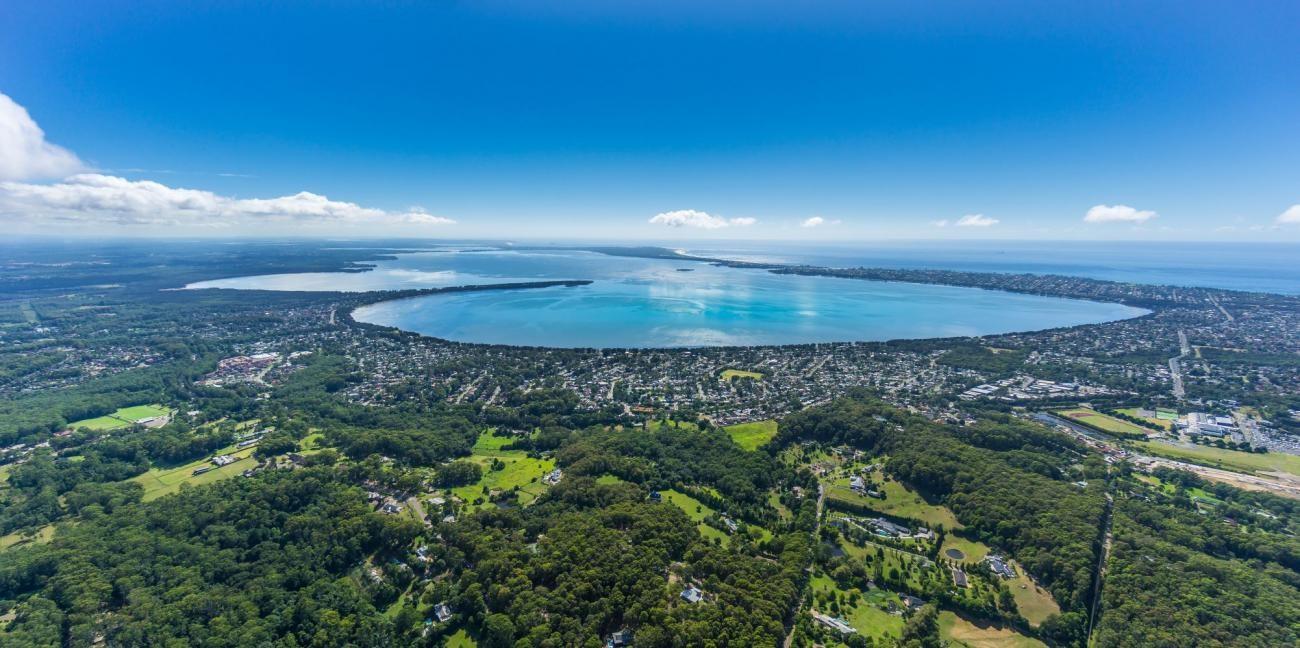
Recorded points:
(121, 418)
(696, 511)
(960, 632)
(752, 436)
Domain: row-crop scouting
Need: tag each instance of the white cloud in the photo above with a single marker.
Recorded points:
(1117, 213)
(1291, 215)
(818, 221)
(699, 219)
(24, 153)
(976, 220)
(93, 197)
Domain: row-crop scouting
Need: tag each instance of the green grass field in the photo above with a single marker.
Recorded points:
(696, 511)
(520, 471)
(461, 640)
(866, 616)
(1034, 602)
(1102, 422)
(900, 501)
(121, 418)
(751, 436)
(1165, 424)
(1248, 462)
(165, 481)
(43, 534)
(971, 550)
(732, 374)
(960, 632)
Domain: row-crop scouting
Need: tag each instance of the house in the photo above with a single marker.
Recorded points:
(912, 602)
(655, 496)
(692, 595)
(834, 623)
(621, 638)
(959, 578)
(552, 478)
(999, 567)
(856, 484)
(443, 612)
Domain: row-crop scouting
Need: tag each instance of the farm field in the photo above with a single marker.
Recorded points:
(865, 616)
(1227, 459)
(961, 632)
(121, 418)
(1034, 602)
(520, 471)
(165, 481)
(732, 374)
(751, 436)
(900, 501)
(1102, 422)
(696, 511)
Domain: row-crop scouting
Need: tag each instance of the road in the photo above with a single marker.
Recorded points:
(1099, 574)
(1176, 367)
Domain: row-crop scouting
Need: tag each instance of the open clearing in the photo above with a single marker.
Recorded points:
(165, 481)
(1248, 462)
(961, 632)
(752, 436)
(697, 511)
(732, 374)
(1093, 418)
(43, 534)
(866, 616)
(1034, 602)
(1165, 423)
(121, 418)
(970, 550)
(520, 472)
(900, 502)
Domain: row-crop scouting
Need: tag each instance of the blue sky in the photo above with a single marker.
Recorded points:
(734, 120)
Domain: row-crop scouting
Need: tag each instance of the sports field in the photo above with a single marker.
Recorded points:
(121, 418)
(751, 436)
(1237, 460)
(1095, 419)
(1165, 423)
(732, 374)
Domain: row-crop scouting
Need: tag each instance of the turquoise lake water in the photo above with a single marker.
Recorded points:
(658, 303)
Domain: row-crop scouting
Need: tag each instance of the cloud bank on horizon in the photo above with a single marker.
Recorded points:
(41, 181)
(699, 220)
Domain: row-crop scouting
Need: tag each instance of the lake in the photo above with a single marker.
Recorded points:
(635, 302)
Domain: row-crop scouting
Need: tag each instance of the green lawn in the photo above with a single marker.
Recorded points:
(972, 551)
(121, 418)
(520, 471)
(1034, 602)
(1237, 460)
(900, 501)
(1165, 424)
(1093, 418)
(751, 436)
(461, 640)
(43, 534)
(866, 615)
(732, 374)
(696, 511)
(960, 632)
(165, 481)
